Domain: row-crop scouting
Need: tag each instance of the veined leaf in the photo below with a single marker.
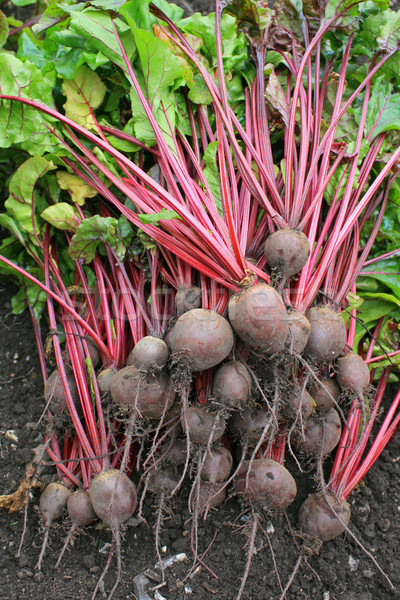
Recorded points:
(387, 272)
(383, 112)
(62, 216)
(78, 189)
(92, 232)
(98, 30)
(161, 68)
(211, 173)
(84, 94)
(21, 188)
(3, 28)
(29, 291)
(383, 29)
(157, 217)
(22, 124)
(275, 94)
(52, 15)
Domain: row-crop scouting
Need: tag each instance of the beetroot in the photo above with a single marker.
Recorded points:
(147, 394)
(203, 425)
(168, 340)
(326, 394)
(149, 352)
(266, 481)
(163, 481)
(259, 317)
(299, 332)
(328, 334)
(204, 336)
(353, 373)
(209, 495)
(217, 465)
(53, 502)
(187, 298)
(318, 520)
(177, 453)
(52, 505)
(298, 400)
(322, 433)
(104, 380)
(231, 385)
(54, 392)
(80, 509)
(81, 513)
(248, 425)
(113, 497)
(287, 251)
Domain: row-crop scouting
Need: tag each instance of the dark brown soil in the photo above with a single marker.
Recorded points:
(341, 571)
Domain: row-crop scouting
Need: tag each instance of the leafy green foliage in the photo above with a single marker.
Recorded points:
(161, 75)
(3, 28)
(98, 30)
(84, 94)
(78, 189)
(21, 188)
(92, 232)
(22, 124)
(157, 217)
(62, 216)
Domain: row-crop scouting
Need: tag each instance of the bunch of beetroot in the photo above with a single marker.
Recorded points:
(205, 398)
(230, 345)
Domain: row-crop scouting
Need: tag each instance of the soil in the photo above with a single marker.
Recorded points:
(339, 571)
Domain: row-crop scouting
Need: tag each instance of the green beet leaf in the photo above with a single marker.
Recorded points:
(161, 69)
(161, 75)
(78, 189)
(84, 94)
(211, 173)
(62, 216)
(22, 124)
(98, 30)
(92, 232)
(387, 272)
(21, 188)
(157, 217)
(29, 292)
(383, 113)
(3, 28)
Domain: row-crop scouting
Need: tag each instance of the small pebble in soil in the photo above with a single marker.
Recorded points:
(368, 573)
(23, 561)
(383, 525)
(353, 563)
(11, 436)
(94, 569)
(209, 588)
(153, 575)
